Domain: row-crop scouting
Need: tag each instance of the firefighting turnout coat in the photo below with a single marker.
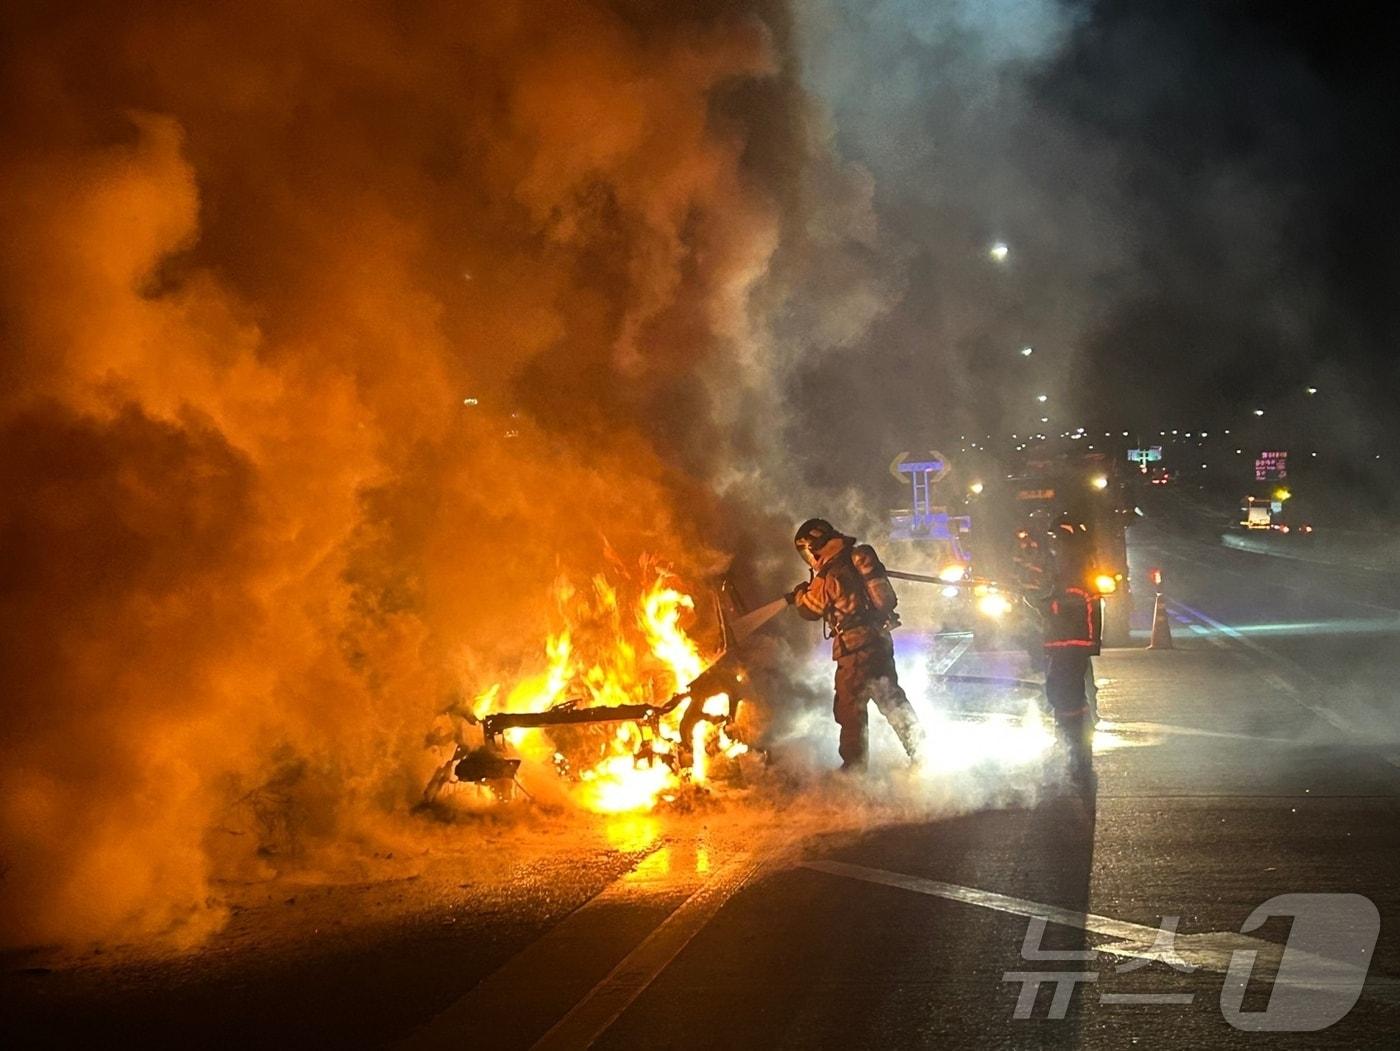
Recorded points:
(1069, 618)
(840, 593)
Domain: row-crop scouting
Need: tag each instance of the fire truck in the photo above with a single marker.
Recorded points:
(1087, 489)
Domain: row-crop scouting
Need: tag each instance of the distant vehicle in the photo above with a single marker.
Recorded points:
(1257, 514)
(1271, 513)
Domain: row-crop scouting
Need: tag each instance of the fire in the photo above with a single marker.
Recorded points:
(661, 620)
(717, 706)
(610, 652)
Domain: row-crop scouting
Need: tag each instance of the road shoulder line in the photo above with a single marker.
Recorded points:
(1265, 658)
(1211, 951)
(592, 1015)
(517, 989)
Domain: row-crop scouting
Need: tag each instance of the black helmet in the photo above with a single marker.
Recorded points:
(813, 535)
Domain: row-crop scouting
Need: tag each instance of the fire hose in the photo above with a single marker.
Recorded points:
(752, 621)
(924, 578)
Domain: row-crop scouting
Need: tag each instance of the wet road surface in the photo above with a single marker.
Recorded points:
(1260, 757)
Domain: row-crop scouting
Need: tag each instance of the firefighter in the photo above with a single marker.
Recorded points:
(850, 592)
(1074, 544)
(1070, 628)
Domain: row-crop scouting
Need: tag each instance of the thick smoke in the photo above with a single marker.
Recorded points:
(1196, 207)
(928, 107)
(332, 334)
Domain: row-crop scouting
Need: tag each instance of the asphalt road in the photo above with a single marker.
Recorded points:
(1259, 757)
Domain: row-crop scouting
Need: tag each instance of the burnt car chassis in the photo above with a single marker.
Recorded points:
(489, 765)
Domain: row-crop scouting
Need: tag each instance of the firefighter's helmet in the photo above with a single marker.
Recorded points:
(813, 535)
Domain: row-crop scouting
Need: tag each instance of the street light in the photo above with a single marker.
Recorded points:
(1259, 412)
(999, 251)
(1042, 398)
(1028, 351)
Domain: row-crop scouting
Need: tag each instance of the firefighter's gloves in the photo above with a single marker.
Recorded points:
(795, 595)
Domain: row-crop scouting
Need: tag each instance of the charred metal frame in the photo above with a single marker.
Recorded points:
(723, 676)
(489, 766)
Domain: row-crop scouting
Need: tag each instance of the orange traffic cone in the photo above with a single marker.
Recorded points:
(1161, 625)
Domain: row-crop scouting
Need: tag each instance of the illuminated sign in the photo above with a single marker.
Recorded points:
(933, 468)
(1270, 466)
(1145, 456)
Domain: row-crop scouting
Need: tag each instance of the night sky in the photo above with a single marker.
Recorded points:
(1295, 97)
(1199, 205)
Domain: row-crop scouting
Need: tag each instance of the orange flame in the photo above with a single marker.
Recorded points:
(600, 657)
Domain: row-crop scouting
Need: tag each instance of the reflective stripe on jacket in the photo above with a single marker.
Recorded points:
(837, 595)
(1068, 616)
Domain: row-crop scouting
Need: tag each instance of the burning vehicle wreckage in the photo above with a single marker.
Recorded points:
(639, 748)
(628, 715)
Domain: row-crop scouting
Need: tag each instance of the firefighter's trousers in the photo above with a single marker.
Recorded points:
(1066, 670)
(869, 675)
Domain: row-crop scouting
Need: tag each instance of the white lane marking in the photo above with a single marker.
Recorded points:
(1212, 637)
(943, 664)
(1210, 951)
(1328, 715)
(448, 1029)
(1137, 999)
(1168, 730)
(1267, 657)
(1190, 612)
(1236, 543)
(1130, 939)
(1216, 569)
(1348, 626)
(1333, 718)
(592, 1015)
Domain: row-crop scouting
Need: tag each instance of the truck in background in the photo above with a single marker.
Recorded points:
(1088, 489)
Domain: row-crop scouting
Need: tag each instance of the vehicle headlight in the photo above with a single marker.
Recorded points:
(993, 605)
(1105, 584)
(951, 573)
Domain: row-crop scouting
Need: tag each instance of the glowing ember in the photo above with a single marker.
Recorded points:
(620, 783)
